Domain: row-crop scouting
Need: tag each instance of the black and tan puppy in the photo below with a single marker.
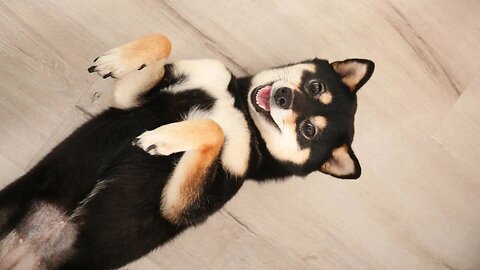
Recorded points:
(112, 192)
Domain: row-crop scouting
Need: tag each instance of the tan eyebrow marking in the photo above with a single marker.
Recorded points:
(311, 68)
(320, 121)
(325, 98)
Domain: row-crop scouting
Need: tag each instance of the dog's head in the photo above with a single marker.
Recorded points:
(305, 114)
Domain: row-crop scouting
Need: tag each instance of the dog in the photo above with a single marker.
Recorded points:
(178, 143)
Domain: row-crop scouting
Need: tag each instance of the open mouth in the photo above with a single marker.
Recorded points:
(260, 99)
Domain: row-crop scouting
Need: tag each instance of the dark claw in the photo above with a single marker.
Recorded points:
(142, 66)
(135, 141)
(151, 147)
(107, 75)
(96, 59)
(92, 69)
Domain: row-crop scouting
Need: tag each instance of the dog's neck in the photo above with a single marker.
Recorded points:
(262, 165)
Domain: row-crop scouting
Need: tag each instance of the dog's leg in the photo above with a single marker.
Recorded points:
(137, 66)
(201, 140)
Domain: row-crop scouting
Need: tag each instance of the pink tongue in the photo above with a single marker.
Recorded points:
(263, 98)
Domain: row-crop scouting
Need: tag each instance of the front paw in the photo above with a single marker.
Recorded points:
(153, 143)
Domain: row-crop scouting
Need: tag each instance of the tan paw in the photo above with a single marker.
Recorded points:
(132, 56)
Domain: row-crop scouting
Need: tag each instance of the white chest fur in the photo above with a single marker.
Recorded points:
(213, 77)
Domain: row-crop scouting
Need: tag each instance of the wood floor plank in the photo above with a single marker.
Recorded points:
(459, 132)
(38, 85)
(223, 243)
(412, 213)
(72, 121)
(44, 35)
(97, 98)
(446, 39)
(134, 19)
(144, 263)
(9, 171)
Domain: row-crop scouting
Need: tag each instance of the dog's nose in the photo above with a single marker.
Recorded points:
(283, 97)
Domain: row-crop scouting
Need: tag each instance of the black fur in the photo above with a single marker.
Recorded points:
(123, 221)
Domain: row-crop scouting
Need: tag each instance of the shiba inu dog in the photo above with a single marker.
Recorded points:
(178, 144)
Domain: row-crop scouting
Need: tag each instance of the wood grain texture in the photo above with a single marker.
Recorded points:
(459, 132)
(75, 118)
(39, 82)
(8, 171)
(142, 264)
(224, 243)
(417, 126)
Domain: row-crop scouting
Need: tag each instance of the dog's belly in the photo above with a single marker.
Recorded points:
(121, 220)
(94, 200)
(43, 240)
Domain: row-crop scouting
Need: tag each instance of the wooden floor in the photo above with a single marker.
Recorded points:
(417, 205)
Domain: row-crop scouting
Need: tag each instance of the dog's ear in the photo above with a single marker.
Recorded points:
(354, 73)
(342, 164)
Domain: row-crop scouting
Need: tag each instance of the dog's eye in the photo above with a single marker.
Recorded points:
(309, 130)
(315, 87)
